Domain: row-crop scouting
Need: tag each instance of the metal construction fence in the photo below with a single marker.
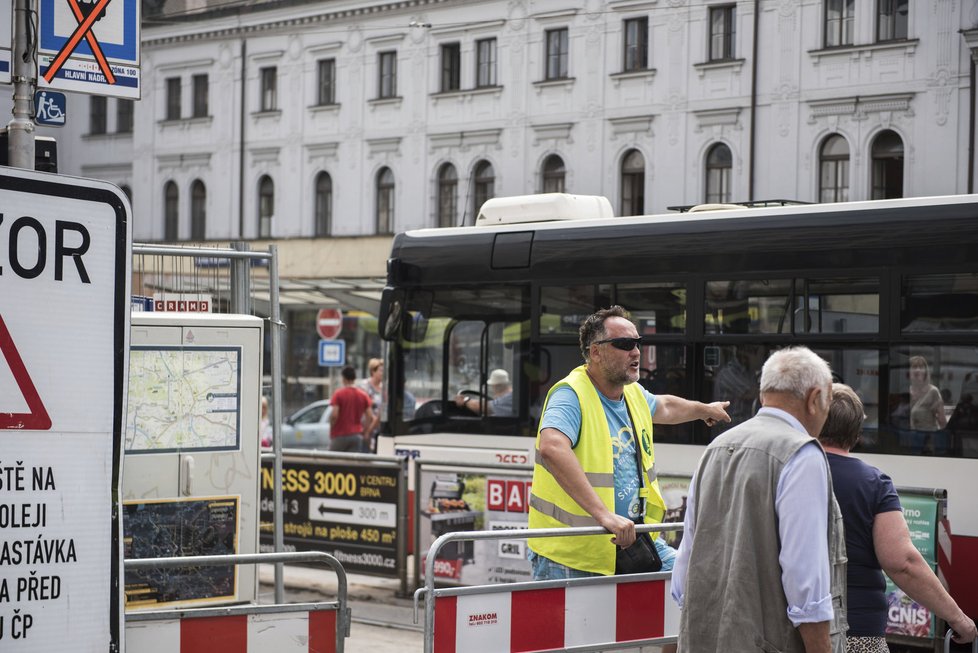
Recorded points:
(583, 614)
(319, 627)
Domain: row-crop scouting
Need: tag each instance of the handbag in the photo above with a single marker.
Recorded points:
(641, 557)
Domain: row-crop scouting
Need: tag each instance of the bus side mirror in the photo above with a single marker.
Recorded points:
(391, 313)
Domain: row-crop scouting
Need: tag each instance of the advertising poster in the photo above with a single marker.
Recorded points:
(905, 616)
(348, 511)
(170, 528)
(674, 491)
(452, 502)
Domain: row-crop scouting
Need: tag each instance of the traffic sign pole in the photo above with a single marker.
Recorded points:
(20, 130)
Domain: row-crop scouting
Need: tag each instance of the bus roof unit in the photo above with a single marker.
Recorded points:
(543, 207)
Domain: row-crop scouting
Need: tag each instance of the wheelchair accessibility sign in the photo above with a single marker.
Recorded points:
(50, 108)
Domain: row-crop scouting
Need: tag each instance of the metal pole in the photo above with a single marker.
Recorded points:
(275, 324)
(241, 282)
(20, 130)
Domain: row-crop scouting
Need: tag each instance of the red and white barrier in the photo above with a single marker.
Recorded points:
(554, 618)
(282, 632)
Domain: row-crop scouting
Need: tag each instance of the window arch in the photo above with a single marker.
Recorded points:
(887, 154)
(323, 205)
(553, 174)
(833, 180)
(633, 183)
(484, 185)
(719, 167)
(385, 201)
(198, 210)
(447, 196)
(266, 206)
(171, 211)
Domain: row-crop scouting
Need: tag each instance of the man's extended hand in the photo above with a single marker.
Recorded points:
(716, 412)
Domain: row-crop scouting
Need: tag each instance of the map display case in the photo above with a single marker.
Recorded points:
(191, 466)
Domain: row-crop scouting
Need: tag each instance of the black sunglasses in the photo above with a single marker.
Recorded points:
(624, 344)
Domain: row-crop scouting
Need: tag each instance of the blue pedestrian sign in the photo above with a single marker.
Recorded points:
(50, 108)
(332, 353)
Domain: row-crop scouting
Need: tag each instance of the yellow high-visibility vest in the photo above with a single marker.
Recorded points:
(551, 507)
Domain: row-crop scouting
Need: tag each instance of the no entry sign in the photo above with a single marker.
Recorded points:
(64, 339)
(329, 323)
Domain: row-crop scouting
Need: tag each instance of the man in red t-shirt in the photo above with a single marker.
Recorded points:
(349, 405)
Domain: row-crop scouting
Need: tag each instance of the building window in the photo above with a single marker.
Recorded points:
(722, 32)
(891, 19)
(553, 174)
(173, 98)
(633, 183)
(636, 44)
(556, 40)
(719, 165)
(124, 116)
(198, 210)
(171, 212)
(266, 206)
(451, 67)
(96, 114)
(887, 166)
(269, 88)
(833, 183)
(447, 196)
(838, 22)
(387, 77)
(200, 86)
(484, 186)
(326, 90)
(385, 201)
(485, 63)
(323, 205)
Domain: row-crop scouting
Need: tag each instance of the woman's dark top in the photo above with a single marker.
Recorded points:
(863, 492)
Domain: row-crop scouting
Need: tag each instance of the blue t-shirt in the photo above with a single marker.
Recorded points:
(563, 412)
(863, 492)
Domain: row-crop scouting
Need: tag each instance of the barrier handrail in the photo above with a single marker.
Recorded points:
(282, 557)
(519, 533)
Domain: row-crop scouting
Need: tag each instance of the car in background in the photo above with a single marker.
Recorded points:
(308, 427)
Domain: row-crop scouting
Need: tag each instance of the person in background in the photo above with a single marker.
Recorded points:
(264, 425)
(501, 391)
(351, 410)
(877, 537)
(761, 565)
(373, 385)
(926, 404)
(596, 425)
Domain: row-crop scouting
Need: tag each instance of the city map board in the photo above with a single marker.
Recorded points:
(183, 398)
(168, 528)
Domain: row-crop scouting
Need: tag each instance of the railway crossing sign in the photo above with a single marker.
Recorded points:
(89, 46)
(65, 250)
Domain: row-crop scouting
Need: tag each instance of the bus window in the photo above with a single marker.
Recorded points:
(747, 306)
(843, 305)
(931, 407)
(940, 302)
(733, 374)
(655, 307)
(564, 308)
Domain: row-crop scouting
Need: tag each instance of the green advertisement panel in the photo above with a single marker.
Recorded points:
(905, 617)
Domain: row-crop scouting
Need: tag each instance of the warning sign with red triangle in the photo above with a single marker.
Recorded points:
(36, 419)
